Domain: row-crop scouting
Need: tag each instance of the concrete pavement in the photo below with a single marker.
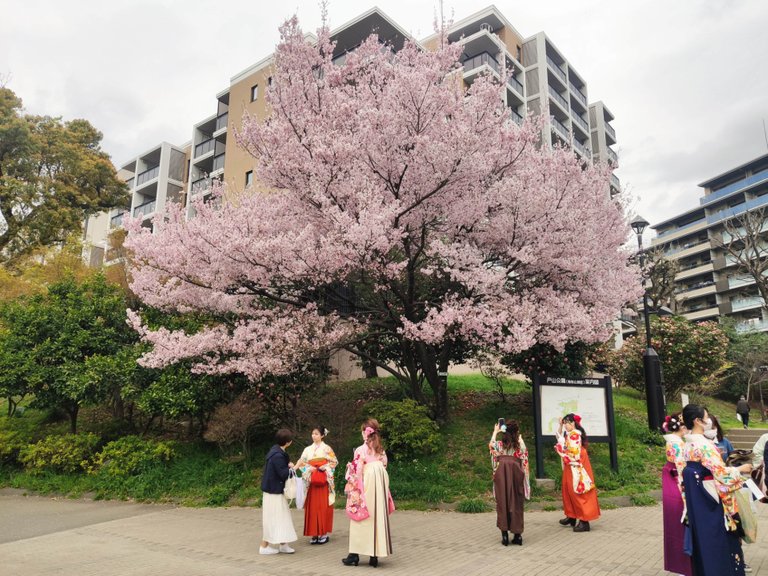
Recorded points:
(42, 536)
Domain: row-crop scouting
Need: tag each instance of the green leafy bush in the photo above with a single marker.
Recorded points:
(406, 426)
(131, 455)
(11, 443)
(67, 453)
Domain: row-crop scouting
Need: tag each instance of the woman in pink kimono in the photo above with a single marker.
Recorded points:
(369, 502)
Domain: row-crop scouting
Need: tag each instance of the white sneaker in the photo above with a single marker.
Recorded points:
(268, 550)
(285, 549)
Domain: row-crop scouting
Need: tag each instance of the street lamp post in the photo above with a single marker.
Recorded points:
(654, 385)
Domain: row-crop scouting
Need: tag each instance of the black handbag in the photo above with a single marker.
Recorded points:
(739, 457)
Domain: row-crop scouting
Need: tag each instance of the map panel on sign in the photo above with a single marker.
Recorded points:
(586, 401)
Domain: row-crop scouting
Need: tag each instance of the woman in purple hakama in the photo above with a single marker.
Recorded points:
(675, 559)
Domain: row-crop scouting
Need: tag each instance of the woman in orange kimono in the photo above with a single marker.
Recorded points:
(578, 484)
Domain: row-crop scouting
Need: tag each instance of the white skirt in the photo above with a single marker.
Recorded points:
(276, 519)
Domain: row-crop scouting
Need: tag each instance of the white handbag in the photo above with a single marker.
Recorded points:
(290, 486)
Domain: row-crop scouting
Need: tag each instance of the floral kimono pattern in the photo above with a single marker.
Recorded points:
(676, 456)
(319, 451)
(569, 449)
(356, 507)
(497, 449)
(727, 480)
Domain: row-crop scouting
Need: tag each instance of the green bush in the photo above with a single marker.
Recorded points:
(131, 455)
(472, 506)
(67, 453)
(406, 426)
(11, 443)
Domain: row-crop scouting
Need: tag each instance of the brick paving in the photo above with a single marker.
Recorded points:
(42, 536)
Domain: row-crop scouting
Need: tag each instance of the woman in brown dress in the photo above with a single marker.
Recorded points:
(511, 481)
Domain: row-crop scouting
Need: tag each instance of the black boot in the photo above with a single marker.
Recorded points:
(581, 526)
(505, 538)
(373, 561)
(567, 521)
(351, 560)
(518, 539)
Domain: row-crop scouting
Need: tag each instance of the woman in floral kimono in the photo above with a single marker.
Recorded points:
(511, 480)
(709, 487)
(369, 502)
(578, 486)
(317, 464)
(675, 558)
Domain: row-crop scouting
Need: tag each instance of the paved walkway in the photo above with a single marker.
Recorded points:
(42, 536)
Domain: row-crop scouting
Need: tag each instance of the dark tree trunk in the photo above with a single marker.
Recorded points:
(72, 412)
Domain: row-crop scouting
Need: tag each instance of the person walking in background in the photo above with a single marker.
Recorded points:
(369, 502)
(276, 515)
(511, 480)
(717, 436)
(317, 464)
(709, 486)
(578, 484)
(675, 558)
(742, 409)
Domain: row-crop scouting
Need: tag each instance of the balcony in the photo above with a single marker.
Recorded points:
(695, 270)
(746, 303)
(758, 202)
(558, 98)
(515, 84)
(129, 183)
(739, 281)
(147, 175)
(561, 130)
(204, 147)
(482, 59)
(117, 220)
(612, 156)
(515, 116)
(578, 94)
(218, 162)
(221, 121)
(581, 149)
(688, 249)
(144, 209)
(581, 122)
(609, 131)
(702, 312)
(735, 187)
(687, 227)
(752, 325)
(555, 67)
(200, 185)
(615, 182)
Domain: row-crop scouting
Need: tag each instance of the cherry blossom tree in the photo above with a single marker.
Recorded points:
(399, 216)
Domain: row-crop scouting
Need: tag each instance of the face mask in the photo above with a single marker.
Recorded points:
(711, 434)
(707, 424)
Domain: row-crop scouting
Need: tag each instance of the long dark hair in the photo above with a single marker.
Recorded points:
(576, 421)
(691, 412)
(511, 438)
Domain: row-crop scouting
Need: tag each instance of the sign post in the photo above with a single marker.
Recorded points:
(591, 398)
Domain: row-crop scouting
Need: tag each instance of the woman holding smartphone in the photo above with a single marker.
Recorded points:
(511, 480)
(578, 485)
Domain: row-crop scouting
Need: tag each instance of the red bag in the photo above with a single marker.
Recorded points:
(318, 478)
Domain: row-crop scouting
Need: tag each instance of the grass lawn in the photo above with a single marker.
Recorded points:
(459, 474)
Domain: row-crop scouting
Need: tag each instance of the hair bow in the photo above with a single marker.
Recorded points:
(368, 431)
(577, 419)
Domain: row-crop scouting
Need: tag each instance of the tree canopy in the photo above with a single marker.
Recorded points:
(404, 213)
(52, 175)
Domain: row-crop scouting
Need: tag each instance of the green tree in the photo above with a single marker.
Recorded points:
(66, 339)
(545, 359)
(691, 354)
(52, 175)
(748, 365)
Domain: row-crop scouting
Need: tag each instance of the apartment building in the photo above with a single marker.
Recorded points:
(708, 284)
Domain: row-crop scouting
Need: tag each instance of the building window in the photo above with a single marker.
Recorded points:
(249, 177)
(254, 92)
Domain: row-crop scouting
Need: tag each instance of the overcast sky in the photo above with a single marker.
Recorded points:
(686, 79)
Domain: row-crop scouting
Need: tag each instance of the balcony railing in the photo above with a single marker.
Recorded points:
(610, 131)
(218, 162)
(147, 175)
(615, 182)
(704, 244)
(129, 183)
(556, 68)
(578, 93)
(696, 286)
(743, 303)
(581, 148)
(482, 59)
(735, 187)
(221, 121)
(738, 209)
(739, 281)
(516, 85)
(560, 128)
(753, 324)
(687, 226)
(200, 185)
(204, 147)
(612, 157)
(560, 100)
(144, 209)
(117, 220)
(581, 122)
